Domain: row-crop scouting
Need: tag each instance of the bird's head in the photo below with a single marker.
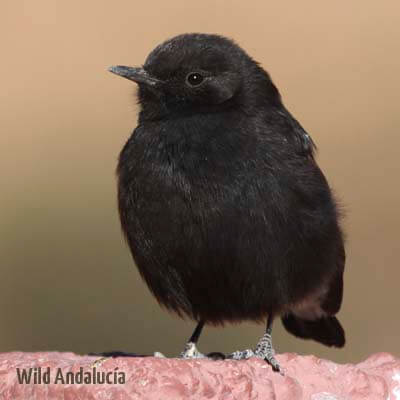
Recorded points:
(197, 73)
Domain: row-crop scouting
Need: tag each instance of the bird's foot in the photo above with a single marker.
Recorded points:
(241, 355)
(191, 352)
(194, 353)
(263, 350)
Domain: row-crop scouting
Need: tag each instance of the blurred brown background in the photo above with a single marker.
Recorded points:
(67, 281)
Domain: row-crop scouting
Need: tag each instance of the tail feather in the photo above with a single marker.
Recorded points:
(326, 330)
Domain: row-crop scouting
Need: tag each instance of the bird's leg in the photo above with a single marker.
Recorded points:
(263, 349)
(190, 350)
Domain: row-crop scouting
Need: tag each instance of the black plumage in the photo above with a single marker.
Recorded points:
(226, 212)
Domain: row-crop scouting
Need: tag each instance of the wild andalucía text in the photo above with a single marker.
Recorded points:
(45, 376)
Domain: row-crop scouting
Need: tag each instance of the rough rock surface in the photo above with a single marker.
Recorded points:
(308, 377)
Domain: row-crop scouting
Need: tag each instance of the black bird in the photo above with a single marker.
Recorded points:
(226, 212)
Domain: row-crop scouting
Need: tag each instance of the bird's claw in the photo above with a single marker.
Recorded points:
(191, 352)
(263, 350)
(269, 357)
(241, 355)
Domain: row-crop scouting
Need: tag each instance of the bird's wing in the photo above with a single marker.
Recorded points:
(297, 135)
(333, 299)
(325, 301)
(305, 143)
(314, 319)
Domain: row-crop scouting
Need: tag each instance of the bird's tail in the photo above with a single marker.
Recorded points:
(326, 330)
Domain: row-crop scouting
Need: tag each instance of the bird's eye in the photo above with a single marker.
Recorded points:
(194, 79)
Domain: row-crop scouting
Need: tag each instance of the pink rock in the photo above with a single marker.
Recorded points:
(153, 378)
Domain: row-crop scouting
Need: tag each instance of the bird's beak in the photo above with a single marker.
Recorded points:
(136, 74)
